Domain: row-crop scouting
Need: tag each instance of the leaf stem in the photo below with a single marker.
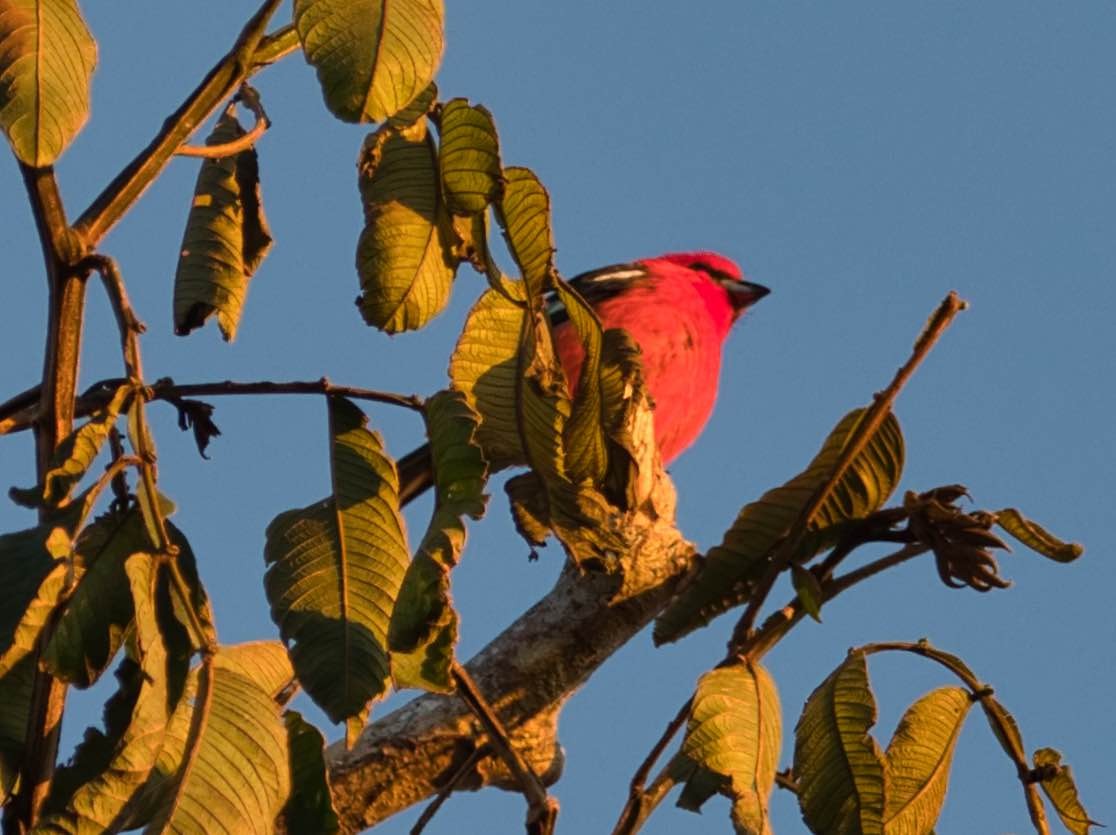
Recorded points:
(635, 811)
(463, 770)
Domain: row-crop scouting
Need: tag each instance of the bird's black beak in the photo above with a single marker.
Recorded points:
(743, 294)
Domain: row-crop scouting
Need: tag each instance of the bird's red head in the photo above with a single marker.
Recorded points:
(724, 272)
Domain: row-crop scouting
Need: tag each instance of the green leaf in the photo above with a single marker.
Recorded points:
(524, 214)
(732, 567)
(335, 569)
(224, 765)
(372, 57)
(34, 618)
(403, 257)
(485, 367)
(469, 158)
(919, 757)
(265, 662)
(734, 731)
(46, 61)
(15, 706)
(808, 589)
(418, 107)
(226, 238)
(424, 623)
(99, 804)
(840, 768)
(585, 440)
(629, 421)
(25, 566)
(1061, 790)
(310, 805)
(1036, 537)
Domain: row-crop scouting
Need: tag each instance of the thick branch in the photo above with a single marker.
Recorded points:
(528, 673)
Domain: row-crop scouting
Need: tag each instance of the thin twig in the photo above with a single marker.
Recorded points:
(870, 423)
(542, 809)
(443, 795)
(649, 801)
(251, 100)
(636, 796)
(119, 195)
(127, 322)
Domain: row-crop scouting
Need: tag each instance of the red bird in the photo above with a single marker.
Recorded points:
(679, 308)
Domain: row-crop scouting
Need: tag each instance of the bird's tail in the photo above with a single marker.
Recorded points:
(416, 474)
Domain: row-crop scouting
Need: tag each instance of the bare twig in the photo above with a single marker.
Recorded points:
(119, 195)
(633, 809)
(251, 99)
(865, 429)
(430, 811)
(542, 809)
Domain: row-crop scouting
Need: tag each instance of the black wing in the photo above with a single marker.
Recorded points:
(597, 285)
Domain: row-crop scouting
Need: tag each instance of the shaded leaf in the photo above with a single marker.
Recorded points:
(102, 803)
(485, 367)
(1060, 788)
(424, 623)
(34, 618)
(808, 589)
(24, 566)
(1036, 537)
(628, 421)
(15, 707)
(418, 107)
(372, 57)
(527, 498)
(310, 805)
(734, 732)
(732, 567)
(840, 768)
(335, 568)
(584, 436)
(919, 757)
(47, 58)
(403, 257)
(226, 238)
(469, 157)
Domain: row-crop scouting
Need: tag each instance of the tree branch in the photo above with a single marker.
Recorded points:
(529, 671)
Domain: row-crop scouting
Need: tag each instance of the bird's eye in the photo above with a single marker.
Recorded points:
(712, 272)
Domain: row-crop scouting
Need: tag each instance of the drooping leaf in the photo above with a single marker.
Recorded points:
(226, 238)
(524, 213)
(585, 440)
(34, 618)
(840, 768)
(418, 107)
(732, 567)
(734, 732)
(424, 623)
(919, 757)
(99, 804)
(47, 58)
(15, 707)
(469, 157)
(1036, 537)
(628, 421)
(808, 589)
(484, 367)
(310, 805)
(223, 767)
(335, 568)
(403, 256)
(372, 56)
(1061, 790)
(147, 492)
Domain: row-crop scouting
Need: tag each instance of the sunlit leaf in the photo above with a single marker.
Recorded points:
(424, 623)
(1061, 789)
(732, 567)
(335, 568)
(840, 768)
(372, 57)
(46, 61)
(223, 767)
(310, 805)
(1036, 537)
(734, 731)
(469, 157)
(226, 238)
(403, 259)
(484, 366)
(524, 213)
(418, 107)
(919, 757)
(25, 567)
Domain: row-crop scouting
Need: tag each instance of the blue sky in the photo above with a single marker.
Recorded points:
(861, 159)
